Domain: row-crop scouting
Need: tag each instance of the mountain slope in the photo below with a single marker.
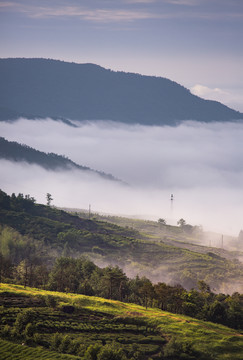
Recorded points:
(133, 329)
(13, 151)
(51, 88)
(52, 230)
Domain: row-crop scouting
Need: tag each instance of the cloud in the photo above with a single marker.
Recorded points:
(183, 2)
(107, 14)
(230, 97)
(206, 92)
(7, 4)
(140, 1)
(201, 164)
(102, 15)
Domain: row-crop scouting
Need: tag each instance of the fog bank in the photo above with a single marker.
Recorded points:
(199, 163)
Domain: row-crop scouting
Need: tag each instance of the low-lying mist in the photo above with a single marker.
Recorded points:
(200, 164)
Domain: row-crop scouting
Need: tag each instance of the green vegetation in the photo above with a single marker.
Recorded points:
(84, 327)
(38, 234)
(82, 316)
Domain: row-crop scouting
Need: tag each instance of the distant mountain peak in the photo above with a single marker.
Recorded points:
(58, 89)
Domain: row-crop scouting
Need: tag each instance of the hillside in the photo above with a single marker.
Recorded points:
(51, 88)
(68, 326)
(50, 233)
(13, 151)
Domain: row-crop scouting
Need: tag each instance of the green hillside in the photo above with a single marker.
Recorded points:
(52, 325)
(161, 255)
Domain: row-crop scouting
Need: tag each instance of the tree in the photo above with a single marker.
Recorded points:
(48, 199)
(203, 287)
(181, 222)
(65, 275)
(146, 291)
(162, 292)
(115, 280)
(162, 221)
(217, 313)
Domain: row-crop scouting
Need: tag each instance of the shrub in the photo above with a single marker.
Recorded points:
(56, 341)
(23, 319)
(179, 350)
(6, 332)
(65, 344)
(111, 352)
(92, 352)
(29, 330)
(37, 339)
(74, 347)
(51, 301)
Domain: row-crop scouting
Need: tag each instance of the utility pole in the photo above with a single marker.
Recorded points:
(171, 207)
(171, 201)
(89, 211)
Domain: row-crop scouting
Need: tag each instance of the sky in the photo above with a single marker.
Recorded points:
(197, 43)
(199, 163)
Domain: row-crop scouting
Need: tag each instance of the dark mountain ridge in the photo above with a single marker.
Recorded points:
(53, 88)
(13, 151)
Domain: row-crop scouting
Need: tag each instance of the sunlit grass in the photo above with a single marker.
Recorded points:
(221, 340)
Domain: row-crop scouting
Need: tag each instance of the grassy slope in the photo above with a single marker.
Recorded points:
(223, 342)
(139, 247)
(166, 253)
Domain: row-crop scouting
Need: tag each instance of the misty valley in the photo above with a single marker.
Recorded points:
(147, 243)
(147, 264)
(121, 229)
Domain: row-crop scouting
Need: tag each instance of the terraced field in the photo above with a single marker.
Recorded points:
(53, 325)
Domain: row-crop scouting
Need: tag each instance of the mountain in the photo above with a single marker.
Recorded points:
(13, 151)
(52, 88)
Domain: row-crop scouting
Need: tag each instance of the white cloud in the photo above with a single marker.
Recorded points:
(102, 15)
(206, 92)
(106, 14)
(184, 2)
(230, 97)
(201, 164)
(140, 1)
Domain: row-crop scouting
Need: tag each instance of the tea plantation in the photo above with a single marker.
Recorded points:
(38, 324)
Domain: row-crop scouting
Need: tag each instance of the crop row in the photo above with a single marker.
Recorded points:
(10, 351)
(85, 327)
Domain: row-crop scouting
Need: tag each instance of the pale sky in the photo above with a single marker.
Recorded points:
(197, 43)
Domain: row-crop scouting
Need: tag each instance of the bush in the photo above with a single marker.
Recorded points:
(65, 344)
(29, 330)
(111, 352)
(37, 339)
(179, 350)
(56, 341)
(92, 352)
(6, 332)
(50, 301)
(23, 319)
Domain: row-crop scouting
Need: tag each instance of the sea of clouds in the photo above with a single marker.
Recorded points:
(200, 164)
